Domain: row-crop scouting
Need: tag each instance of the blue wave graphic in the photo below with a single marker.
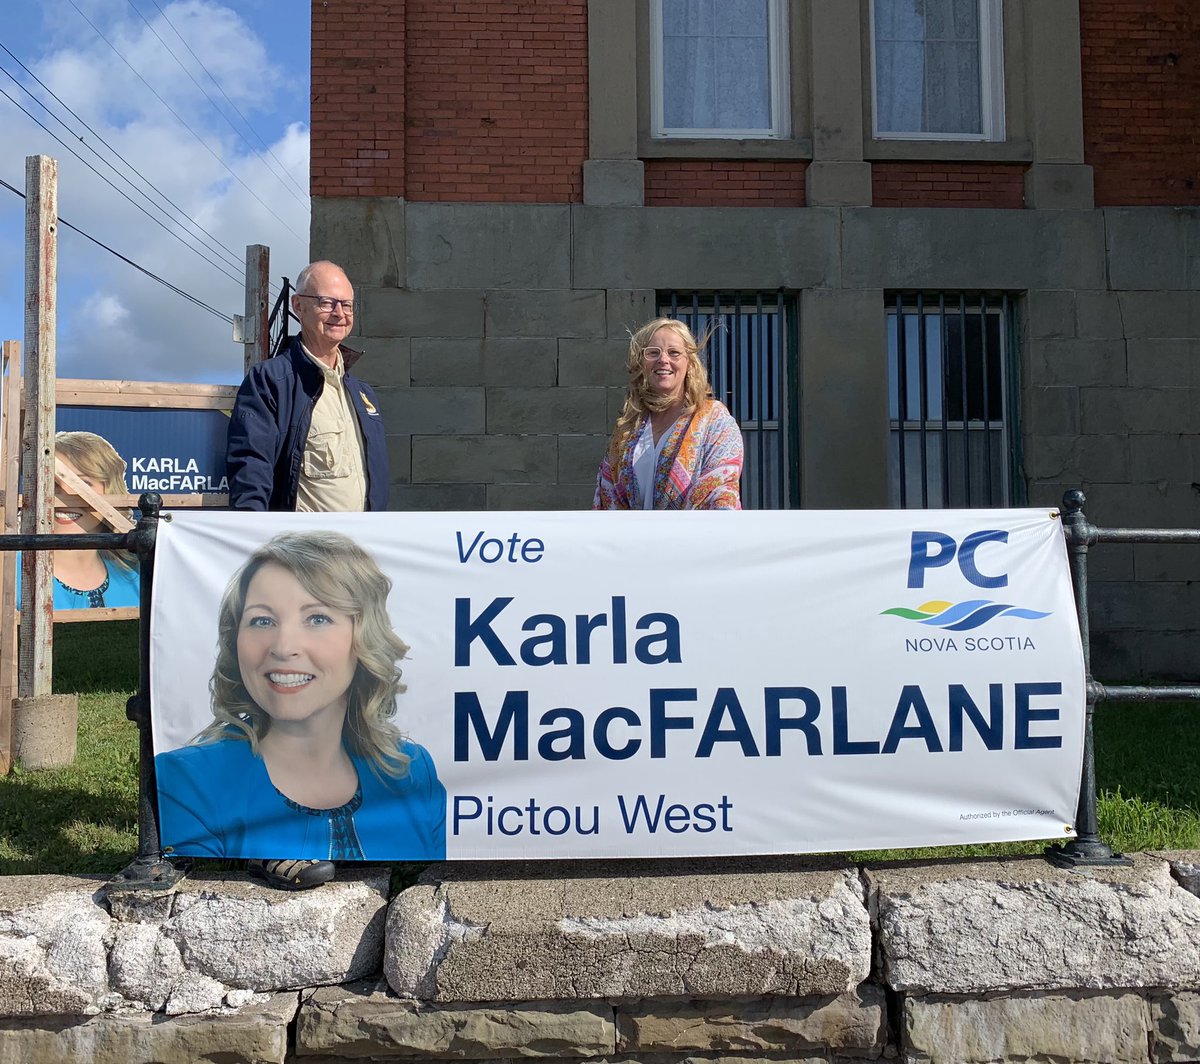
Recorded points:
(963, 616)
(957, 612)
(1025, 614)
(979, 617)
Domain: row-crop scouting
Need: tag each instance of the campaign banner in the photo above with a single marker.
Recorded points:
(169, 451)
(596, 685)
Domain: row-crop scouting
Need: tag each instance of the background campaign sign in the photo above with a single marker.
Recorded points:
(172, 452)
(647, 684)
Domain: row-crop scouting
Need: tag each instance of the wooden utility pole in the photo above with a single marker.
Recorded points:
(256, 323)
(37, 444)
(10, 473)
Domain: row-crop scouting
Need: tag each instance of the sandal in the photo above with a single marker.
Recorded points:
(291, 875)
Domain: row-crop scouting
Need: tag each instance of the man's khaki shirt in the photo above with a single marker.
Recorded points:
(331, 474)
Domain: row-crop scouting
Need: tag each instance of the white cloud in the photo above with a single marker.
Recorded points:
(113, 320)
(101, 311)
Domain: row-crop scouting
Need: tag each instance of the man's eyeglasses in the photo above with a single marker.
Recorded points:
(327, 304)
(653, 354)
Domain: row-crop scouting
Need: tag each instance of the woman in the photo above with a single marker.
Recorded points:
(303, 756)
(674, 446)
(86, 579)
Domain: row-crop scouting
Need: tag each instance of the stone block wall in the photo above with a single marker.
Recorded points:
(1111, 407)
(496, 335)
(721, 961)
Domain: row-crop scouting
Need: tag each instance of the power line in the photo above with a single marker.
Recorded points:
(302, 199)
(229, 254)
(153, 276)
(192, 248)
(181, 121)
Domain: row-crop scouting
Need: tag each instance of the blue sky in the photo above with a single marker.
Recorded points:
(219, 129)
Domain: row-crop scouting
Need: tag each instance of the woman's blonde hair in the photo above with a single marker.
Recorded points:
(94, 457)
(337, 572)
(639, 399)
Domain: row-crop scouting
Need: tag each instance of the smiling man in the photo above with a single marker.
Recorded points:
(306, 435)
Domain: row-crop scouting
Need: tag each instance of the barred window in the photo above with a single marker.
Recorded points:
(751, 358)
(952, 401)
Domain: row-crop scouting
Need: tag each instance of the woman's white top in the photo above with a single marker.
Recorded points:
(645, 460)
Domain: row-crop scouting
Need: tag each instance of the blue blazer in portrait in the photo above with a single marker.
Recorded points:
(217, 800)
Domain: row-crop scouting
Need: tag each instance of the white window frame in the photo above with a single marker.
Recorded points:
(779, 78)
(991, 82)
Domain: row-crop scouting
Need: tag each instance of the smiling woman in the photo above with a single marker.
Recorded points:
(674, 446)
(90, 579)
(303, 756)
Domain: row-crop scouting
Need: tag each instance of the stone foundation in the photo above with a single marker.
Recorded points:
(706, 962)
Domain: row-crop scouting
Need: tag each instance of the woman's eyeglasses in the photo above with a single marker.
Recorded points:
(653, 354)
(327, 304)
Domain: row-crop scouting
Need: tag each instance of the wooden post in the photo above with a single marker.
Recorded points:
(37, 445)
(10, 477)
(257, 322)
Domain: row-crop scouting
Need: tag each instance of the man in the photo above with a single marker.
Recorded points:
(306, 435)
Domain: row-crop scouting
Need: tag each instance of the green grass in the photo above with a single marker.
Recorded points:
(1148, 794)
(1146, 757)
(83, 818)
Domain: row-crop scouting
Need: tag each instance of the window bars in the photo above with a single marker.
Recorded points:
(954, 439)
(751, 361)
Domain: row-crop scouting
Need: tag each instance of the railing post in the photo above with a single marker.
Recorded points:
(1087, 848)
(149, 870)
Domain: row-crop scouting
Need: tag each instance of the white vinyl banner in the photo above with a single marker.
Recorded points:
(599, 685)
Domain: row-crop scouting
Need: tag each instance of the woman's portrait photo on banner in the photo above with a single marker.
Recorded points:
(304, 754)
(90, 579)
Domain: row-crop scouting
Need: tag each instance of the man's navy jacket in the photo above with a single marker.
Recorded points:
(269, 428)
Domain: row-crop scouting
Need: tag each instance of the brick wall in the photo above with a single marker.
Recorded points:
(1141, 100)
(357, 102)
(723, 183)
(446, 100)
(948, 184)
(497, 103)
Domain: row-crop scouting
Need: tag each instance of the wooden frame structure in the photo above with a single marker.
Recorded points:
(70, 490)
(29, 398)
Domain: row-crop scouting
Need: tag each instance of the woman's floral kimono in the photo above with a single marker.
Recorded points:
(699, 469)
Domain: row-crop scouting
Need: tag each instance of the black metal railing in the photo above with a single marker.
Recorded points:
(150, 870)
(1087, 848)
(279, 323)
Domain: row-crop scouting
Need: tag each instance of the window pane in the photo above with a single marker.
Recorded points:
(689, 16)
(716, 69)
(938, 20)
(952, 87)
(902, 67)
(743, 85)
(748, 17)
(689, 89)
(928, 67)
(966, 20)
(900, 20)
